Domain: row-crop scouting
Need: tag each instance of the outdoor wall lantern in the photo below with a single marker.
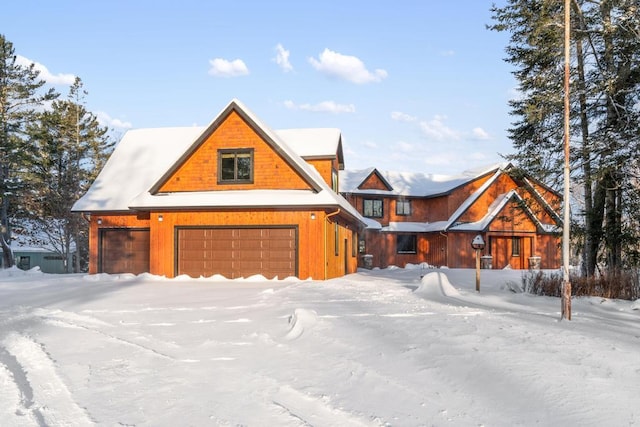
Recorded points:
(313, 216)
(99, 221)
(478, 244)
(160, 218)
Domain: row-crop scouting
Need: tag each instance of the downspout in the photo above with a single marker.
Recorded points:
(326, 219)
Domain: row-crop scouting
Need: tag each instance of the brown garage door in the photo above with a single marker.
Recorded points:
(124, 251)
(237, 252)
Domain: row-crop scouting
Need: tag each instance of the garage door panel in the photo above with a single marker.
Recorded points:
(279, 255)
(237, 252)
(124, 251)
(279, 244)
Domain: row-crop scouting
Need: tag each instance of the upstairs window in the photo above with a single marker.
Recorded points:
(403, 207)
(406, 244)
(334, 180)
(235, 166)
(372, 208)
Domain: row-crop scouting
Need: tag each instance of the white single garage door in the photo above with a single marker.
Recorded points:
(237, 252)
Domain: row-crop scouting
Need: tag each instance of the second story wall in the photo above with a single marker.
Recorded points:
(200, 171)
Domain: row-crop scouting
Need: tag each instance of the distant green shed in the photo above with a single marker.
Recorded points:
(49, 261)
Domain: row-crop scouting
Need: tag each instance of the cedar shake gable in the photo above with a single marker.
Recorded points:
(235, 109)
(375, 181)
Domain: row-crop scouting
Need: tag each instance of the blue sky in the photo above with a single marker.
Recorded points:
(413, 85)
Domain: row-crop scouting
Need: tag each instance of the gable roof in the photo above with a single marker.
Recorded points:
(492, 212)
(315, 143)
(452, 224)
(270, 137)
(413, 184)
(375, 173)
(134, 166)
(144, 159)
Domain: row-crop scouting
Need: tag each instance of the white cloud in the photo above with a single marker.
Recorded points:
(224, 68)
(448, 53)
(369, 144)
(107, 120)
(405, 147)
(282, 58)
(45, 74)
(435, 129)
(345, 67)
(322, 107)
(480, 134)
(402, 117)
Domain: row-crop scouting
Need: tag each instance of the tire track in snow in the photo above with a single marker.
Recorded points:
(16, 394)
(313, 411)
(70, 320)
(50, 395)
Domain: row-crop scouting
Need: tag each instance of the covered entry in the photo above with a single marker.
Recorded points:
(237, 252)
(123, 250)
(513, 251)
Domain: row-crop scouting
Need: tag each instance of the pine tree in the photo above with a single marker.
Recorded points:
(72, 147)
(21, 93)
(605, 99)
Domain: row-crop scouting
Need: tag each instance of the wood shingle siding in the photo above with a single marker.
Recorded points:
(199, 172)
(518, 217)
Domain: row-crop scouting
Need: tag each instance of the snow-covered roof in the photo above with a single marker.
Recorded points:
(493, 210)
(313, 142)
(240, 198)
(413, 184)
(144, 158)
(408, 227)
(138, 161)
(472, 199)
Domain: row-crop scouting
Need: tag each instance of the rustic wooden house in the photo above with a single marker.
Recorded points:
(419, 218)
(234, 198)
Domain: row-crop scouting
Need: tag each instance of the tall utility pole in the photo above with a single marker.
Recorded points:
(566, 284)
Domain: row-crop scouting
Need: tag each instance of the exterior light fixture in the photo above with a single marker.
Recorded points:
(160, 218)
(313, 216)
(99, 221)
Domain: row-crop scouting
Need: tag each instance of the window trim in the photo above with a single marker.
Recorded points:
(235, 152)
(516, 243)
(362, 245)
(354, 244)
(335, 180)
(414, 241)
(364, 208)
(403, 202)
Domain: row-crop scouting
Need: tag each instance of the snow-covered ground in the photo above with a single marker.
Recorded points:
(377, 348)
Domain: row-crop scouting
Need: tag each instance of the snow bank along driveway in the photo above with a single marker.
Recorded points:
(377, 348)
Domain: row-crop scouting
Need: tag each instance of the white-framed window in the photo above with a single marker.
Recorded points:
(403, 207)
(372, 208)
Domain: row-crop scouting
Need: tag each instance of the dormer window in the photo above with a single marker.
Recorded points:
(235, 166)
